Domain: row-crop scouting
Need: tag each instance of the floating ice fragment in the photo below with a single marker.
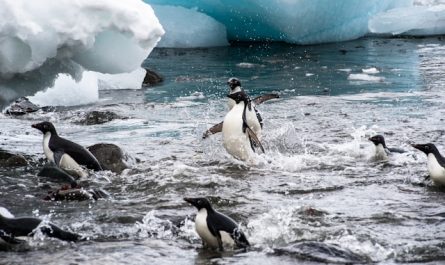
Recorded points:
(371, 70)
(365, 77)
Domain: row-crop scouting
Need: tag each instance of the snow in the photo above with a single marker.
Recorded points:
(44, 40)
(188, 28)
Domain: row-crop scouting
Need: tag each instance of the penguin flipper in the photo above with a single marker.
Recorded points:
(9, 239)
(214, 129)
(254, 139)
(265, 97)
(58, 157)
(216, 234)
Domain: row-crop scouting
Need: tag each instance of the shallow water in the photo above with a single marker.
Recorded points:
(315, 196)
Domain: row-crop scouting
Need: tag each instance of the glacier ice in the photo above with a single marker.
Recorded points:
(42, 40)
(69, 92)
(293, 21)
(410, 21)
(188, 28)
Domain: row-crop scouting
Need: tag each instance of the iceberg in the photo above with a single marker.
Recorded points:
(188, 28)
(43, 40)
(292, 21)
(411, 21)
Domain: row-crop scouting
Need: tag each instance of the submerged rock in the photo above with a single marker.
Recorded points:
(76, 194)
(97, 117)
(152, 78)
(8, 159)
(21, 106)
(57, 174)
(110, 156)
(322, 252)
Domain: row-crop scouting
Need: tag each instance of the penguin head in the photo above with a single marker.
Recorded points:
(378, 139)
(239, 97)
(199, 203)
(45, 127)
(426, 148)
(233, 83)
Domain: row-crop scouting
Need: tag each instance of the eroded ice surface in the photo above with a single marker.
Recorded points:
(41, 39)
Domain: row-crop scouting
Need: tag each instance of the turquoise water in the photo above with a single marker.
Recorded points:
(315, 196)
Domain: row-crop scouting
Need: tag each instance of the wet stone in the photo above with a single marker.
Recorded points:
(152, 78)
(76, 194)
(21, 106)
(110, 156)
(8, 159)
(97, 117)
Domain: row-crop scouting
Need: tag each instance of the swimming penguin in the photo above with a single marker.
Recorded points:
(436, 162)
(255, 122)
(216, 229)
(65, 154)
(381, 150)
(239, 139)
(11, 228)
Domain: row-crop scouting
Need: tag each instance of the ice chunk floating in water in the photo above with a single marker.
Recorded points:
(302, 22)
(40, 39)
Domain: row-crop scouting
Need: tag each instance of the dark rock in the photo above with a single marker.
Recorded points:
(12, 160)
(98, 117)
(76, 194)
(21, 106)
(110, 156)
(152, 78)
(57, 174)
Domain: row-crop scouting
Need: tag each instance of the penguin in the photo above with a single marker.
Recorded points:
(65, 154)
(216, 229)
(436, 162)
(11, 228)
(239, 139)
(255, 122)
(381, 150)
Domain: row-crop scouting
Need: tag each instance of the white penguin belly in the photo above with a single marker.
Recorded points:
(380, 152)
(437, 172)
(48, 153)
(68, 164)
(235, 141)
(205, 234)
(203, 230)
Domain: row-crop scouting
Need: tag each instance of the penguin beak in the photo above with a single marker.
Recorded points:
(36, 126)
(192, 201)
(417, 146)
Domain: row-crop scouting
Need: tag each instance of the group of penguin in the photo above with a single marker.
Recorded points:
(242, 131)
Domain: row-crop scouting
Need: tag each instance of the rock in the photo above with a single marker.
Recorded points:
(76, 194)
(110, 156)
(21, 106)
(55, 173)
(12, 160)
(98, 117)
(152, 78)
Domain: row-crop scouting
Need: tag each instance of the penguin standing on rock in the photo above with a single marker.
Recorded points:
(216, 229)
(11, 228)
(65, 154)
(381, 150)
(436, 162)
(255, 120)
(239, 139)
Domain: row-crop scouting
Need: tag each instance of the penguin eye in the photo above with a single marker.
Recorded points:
(427, 147)
(199, 201)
